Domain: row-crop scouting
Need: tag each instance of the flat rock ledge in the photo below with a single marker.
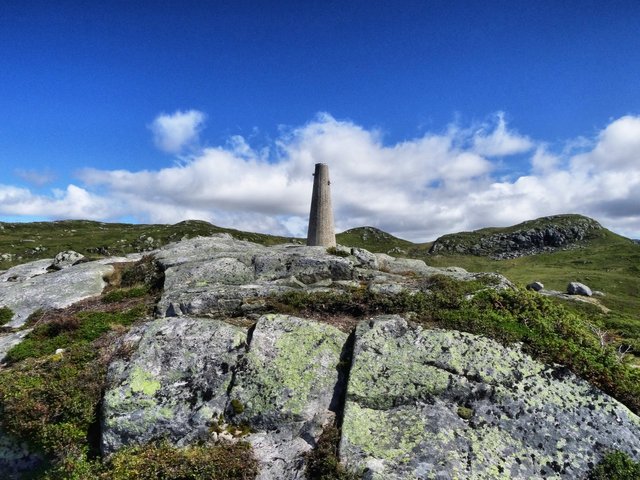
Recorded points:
(444, 404)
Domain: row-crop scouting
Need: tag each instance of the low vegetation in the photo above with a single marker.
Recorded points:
(616, 466)
(323, 461)
(6, 314)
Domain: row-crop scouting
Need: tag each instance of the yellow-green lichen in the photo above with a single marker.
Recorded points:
(387, 435)
(306, 357)
(143, 381)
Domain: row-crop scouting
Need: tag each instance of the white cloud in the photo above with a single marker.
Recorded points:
(73, 202)
(172, 133)
(417, 189)
(499, 141)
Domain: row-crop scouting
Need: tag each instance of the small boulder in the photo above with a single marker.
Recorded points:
(577, 288)
(66, 259)
(535, 286)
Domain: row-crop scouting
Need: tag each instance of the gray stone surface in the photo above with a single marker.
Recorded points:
(535, 286)
(66, 259)
(10, 340)
(577, 288)
(174, 385)
(25, 289)
(288, 388)
(444, 404)
(25, 271)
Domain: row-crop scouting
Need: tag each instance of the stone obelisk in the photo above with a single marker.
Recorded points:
(321, 230)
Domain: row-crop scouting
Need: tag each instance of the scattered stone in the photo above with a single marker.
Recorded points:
(577, 288)
(66, 259)
(535, 286)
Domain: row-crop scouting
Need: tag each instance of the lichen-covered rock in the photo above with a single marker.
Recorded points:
(175, 384)
(444, 404)
(24, 292)
(287, 389)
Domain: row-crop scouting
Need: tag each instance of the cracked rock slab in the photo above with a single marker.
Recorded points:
(287, 390)
(444, 404)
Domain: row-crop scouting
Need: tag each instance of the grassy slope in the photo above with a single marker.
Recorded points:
(32, 241)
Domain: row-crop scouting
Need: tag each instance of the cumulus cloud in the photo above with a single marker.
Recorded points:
(173, 132)
(73, 202)
(417, 189)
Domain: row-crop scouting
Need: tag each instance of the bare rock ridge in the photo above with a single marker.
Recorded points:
(545, 234)
(412, 402)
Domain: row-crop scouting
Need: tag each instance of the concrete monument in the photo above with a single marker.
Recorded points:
(321, 230)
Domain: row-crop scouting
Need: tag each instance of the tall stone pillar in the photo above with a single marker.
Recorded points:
(321, 230)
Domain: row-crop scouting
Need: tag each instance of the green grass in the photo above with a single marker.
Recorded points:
(374, 240)
(609, 264)
(71, 331)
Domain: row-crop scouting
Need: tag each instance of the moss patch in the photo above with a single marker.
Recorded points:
(6, 314)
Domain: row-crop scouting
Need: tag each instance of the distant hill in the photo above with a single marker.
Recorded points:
(546, 234)
(375, 240)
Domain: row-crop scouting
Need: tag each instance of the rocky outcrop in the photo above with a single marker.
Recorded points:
(220, 276)
(445, 404)
(538, 236)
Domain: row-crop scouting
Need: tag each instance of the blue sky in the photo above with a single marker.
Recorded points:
(433, 116)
